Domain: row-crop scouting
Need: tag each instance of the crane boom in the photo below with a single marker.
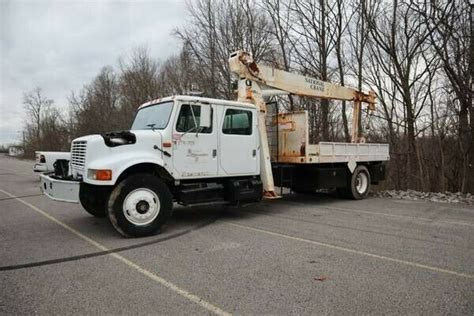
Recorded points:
(259, 81)
(244, 66)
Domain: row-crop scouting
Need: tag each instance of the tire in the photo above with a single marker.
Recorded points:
(93, 201)
(359, 183)
(139, 205)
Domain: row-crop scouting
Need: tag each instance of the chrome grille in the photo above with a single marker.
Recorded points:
(78, 154)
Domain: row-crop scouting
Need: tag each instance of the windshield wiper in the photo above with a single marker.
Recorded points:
(151, 126)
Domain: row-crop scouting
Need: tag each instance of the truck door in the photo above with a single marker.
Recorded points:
(238, 142)
(194, 148)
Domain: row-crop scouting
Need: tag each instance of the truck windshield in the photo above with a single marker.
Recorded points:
(154, 116)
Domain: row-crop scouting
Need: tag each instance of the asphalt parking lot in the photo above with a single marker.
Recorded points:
(304, 254)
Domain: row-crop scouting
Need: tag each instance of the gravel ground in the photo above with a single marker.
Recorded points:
(438, 197)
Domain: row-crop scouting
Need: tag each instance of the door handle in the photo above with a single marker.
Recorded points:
(214, 153)
(254, 153)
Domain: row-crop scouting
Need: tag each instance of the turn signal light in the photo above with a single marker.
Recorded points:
(100, 174)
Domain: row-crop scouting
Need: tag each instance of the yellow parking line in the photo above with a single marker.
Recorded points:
(189, 296)
(354, 251)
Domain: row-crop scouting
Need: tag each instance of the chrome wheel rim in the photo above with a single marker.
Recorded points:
(141, 206)
(362, 183)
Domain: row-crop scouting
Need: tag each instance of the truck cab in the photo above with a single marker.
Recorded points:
(183, 149)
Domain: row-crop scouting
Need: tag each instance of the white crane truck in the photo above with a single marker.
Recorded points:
(194, 150)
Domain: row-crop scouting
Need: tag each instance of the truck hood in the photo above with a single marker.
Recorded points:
(123, 138)
(117, 150)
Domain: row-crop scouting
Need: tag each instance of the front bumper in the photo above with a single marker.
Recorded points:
(60, 190)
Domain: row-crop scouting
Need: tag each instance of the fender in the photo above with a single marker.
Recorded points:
(119, 163)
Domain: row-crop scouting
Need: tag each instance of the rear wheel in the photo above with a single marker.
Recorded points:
(139, 205)
(359, 183)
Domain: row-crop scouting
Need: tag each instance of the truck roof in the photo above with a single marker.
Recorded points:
(190, 98)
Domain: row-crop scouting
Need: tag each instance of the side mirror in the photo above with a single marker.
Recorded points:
(205, 116)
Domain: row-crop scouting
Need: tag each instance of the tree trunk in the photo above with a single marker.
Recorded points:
(466, 147)
(360, 56)
(411, 150)
(442, 186)
(324, 73)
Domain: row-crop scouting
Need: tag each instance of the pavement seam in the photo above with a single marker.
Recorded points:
(408, 217)
(398, 216)
(354, 251)
(277, 215)
(182, 292)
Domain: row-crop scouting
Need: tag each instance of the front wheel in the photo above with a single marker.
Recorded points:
(139, 205)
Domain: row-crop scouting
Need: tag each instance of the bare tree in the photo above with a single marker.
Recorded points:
(218, 28)
(54, 132)
(358, 40)
(316, 42)
(35, 106)
(44, 127)
(280, 15)
(450, 28)
(178, 74)
(398, 43)
(138, 82)
(341, 24)
(200, 36)
(96, 107)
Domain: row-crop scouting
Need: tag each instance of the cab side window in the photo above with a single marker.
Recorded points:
(187, 122)
(237, 122)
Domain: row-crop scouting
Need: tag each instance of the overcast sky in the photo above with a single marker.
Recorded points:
(61, 45)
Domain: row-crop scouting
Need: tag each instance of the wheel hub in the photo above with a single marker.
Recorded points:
(141, 206)
(362, 183)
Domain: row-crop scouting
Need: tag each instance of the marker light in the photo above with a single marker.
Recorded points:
(99, 174)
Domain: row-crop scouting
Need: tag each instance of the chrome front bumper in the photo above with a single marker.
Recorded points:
(60, 190)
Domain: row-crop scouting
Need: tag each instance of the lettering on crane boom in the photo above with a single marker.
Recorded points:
(315, 84)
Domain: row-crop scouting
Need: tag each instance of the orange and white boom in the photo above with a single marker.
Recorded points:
(259, 81)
